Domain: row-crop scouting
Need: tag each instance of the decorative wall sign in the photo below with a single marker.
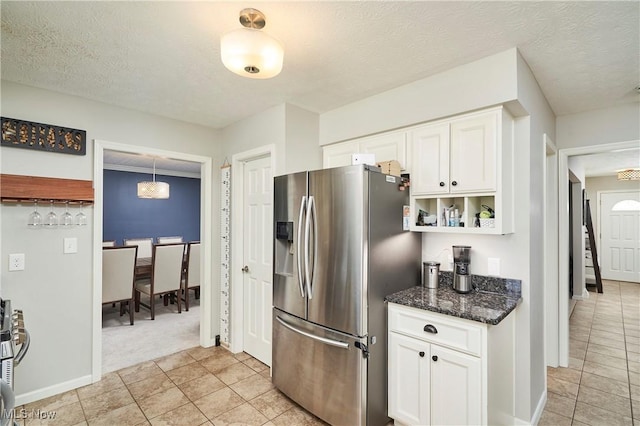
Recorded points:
(43, 137)
(225, 250)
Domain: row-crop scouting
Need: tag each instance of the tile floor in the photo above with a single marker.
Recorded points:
(198, 386)
(602, 384)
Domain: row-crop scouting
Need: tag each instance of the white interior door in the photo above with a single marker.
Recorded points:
(257, 242)
(620, 235)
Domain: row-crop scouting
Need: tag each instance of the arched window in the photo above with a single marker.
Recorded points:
(626, 206)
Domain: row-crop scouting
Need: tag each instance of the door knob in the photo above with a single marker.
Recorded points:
(245, 269)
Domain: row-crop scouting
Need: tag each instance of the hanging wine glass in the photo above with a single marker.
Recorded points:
(51, 221)
(67, 218)
(35, 219)
(81, 218)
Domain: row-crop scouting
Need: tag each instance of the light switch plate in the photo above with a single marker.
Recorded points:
(493, 267)
(16, 262)
(70, 245)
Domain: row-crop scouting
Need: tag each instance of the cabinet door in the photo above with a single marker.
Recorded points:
(339, 154)
(386, 147)
(408, 380)
(455, 388)
(473, 154)
(430, 159)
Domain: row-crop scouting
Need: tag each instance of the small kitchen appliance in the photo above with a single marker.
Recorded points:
(461, 276)
(430, 274)
(12, 336)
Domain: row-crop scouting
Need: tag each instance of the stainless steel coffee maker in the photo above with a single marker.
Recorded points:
(461, 275)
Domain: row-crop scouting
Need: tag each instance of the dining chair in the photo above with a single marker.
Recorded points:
(118, 272)
(166, 240)
(109, 243)
(192, 272)
(144, 245)
(166, 276)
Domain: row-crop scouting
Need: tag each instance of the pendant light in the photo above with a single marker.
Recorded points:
(629, 174)
(153, 189)
(250, 52)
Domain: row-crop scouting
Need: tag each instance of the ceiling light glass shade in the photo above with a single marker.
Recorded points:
(251, 53)
(629, 174)
(157, 190)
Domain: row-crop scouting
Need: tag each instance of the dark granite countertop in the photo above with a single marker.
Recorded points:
(490, 302)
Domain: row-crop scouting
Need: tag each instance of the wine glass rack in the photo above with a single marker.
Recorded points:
(23, 189)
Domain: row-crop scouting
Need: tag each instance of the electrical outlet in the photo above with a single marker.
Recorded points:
(70, 245)
(16, 262)
(493, 266)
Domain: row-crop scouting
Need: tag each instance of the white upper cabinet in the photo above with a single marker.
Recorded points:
(385, 147)
(430, 159)
(473, 154)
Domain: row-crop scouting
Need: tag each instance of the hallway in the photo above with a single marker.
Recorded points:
(602, 384)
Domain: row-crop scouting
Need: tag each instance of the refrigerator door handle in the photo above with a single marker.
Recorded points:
(324, 340)
(303, 205)
(307, 236)
(311, 270)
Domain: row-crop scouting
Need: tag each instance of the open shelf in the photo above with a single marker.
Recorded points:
(18, 188)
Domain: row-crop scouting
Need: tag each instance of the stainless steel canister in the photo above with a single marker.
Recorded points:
(430, 272)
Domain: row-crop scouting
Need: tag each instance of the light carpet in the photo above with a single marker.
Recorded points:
(124, 345)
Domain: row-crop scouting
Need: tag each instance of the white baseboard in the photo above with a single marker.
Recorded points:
(583, 296)
(536, 415)
(39, 394)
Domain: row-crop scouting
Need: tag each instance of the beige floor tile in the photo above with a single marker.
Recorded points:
(242, 356)
(244, 414)
(577, 353)
(218, 362)
(635, 392)
(147, 387)
(103, 403)
(234, 373)
(634, 378)
(633, 348)
(607, 342)
(560, 404)
(218, 402)
(604, 371)
(606, 360)
(562, 388)
(187, 373)
(108, 382)
(566, 374)
(606, 335)
(272, 403)
(297, 416)
(139, 372)
(605, 350)
(604, 384)
(595, 416)
(252, 386)
(633, 366)
(266, 373)
(187, 414)
(127, 415)
(605, 400)
(255, 365)
(578, 344)
(200, 353)
(53, 402)
(631, 332)
(576, 363)
(608, 328)
(64, 415)
(162, 402)
(549, 418)
(201, 386)
(174, 361)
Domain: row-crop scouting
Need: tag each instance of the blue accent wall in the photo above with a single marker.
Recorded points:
(127, 216)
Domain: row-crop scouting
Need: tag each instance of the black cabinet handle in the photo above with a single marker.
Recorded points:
(435, 357)
(441, 183)
(430, 329)
(421, 354)
(454, 183)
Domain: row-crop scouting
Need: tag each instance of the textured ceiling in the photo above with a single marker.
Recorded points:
(163, 57)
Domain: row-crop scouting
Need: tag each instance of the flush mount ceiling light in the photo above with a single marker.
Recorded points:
(629, 174)
(153, 189)
(250, 52)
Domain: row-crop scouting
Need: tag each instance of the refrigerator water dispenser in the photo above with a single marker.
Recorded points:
(284, 248)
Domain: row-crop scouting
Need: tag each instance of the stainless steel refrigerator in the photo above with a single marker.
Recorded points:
(339, 249)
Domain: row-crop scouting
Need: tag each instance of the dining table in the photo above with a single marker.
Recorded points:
(143, 267)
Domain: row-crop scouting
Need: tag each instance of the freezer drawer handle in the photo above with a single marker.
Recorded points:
(324, 340)
(430, 329)
(363, 348)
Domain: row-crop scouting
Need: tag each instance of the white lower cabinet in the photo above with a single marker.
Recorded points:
(440, 372)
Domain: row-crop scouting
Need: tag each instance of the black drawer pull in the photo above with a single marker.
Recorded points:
(435, 357)
(441, 183)
(454, 183)
(430, 329)
(421, 354)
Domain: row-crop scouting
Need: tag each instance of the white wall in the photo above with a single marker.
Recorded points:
(499, 79)
(55, 290)
(302, 151)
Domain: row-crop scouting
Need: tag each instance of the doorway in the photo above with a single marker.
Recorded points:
(206, 318)
(619, 226)
(251, 264)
